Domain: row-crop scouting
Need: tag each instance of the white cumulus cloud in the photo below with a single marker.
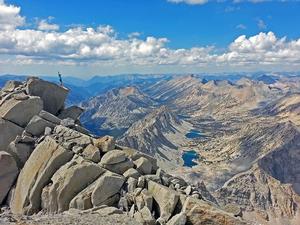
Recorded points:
(262, 49)
(102, 46)
(45, 25)
(10, 17)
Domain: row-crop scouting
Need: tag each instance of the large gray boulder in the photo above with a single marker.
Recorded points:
(45, 160)
(69, 180)
(82, 200)
(37, 126)
(202, 212)
(53, 96)
(143, 165)
(121, 167)
(113, 157)
(132, 173)
(107, 186)
(49, 117)
(8, 133)
(8, 173)
(21, 111)
(166, 199)
(106, 143)
(105, 189)
(135, 155)
(69, 138)
(116, 161)
(178, 219)
(92, 153)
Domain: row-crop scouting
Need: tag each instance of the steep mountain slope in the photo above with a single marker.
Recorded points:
(117, 109)
(269, 191)
(286, 108)
(264, 199)
(158, 134)
(168, 90)
(228, 98)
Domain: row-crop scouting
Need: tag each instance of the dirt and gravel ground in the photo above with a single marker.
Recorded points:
(6, 218)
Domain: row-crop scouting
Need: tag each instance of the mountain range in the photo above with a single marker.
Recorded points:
(249, 131)
(240, 131)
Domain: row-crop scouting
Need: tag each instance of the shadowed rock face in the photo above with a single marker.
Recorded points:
(52, 95)
(8, 173)
(9, 131)
(261, 196)
(283, 164)
(148, 134)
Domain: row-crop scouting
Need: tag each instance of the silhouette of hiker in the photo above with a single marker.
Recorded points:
(60, 79)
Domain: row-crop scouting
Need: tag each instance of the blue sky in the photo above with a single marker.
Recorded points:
(184, 25)
(144, 36)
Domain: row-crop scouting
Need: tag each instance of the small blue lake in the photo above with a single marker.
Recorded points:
(183, 117)
(194, 134)
(189, 157)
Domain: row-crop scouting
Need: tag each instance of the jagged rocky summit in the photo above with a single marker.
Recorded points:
(50, 164)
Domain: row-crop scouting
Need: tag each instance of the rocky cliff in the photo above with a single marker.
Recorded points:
(116, 109)
(158, 134)
(50, 164)
(263, 198)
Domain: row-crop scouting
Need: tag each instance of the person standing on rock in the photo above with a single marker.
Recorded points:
(60, 79)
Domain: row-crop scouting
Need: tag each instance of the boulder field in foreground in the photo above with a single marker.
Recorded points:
(64, 169)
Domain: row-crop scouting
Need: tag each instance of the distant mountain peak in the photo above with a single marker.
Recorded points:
(151, 134)
(118, 108)
(129, 91)
(161, 118)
